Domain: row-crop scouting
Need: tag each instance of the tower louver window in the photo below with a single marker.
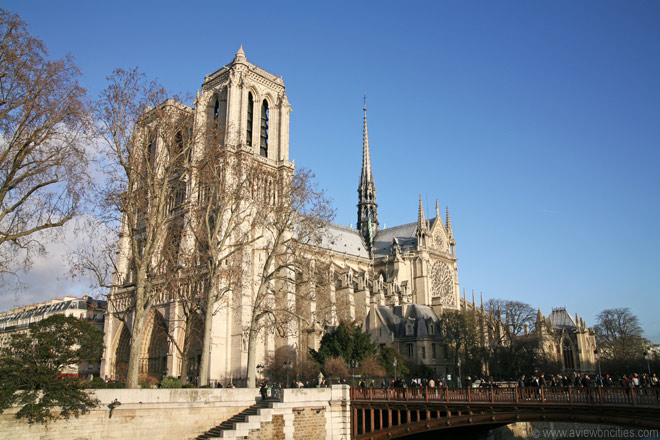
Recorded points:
(250, 114)
(263, 146)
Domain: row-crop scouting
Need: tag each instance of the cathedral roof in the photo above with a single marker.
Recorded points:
(405, 235)
(343, 239)
(560, 318)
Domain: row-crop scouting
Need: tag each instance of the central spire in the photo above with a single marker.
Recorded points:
(366, 157)
(367, 222)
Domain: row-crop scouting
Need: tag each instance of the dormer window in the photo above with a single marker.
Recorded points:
(431, 329)
(410, 329)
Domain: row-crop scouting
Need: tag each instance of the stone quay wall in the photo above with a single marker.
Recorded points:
(309, 413)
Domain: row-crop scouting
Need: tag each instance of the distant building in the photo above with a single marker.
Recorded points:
(414, 330)
(19, 318)
(571, 342)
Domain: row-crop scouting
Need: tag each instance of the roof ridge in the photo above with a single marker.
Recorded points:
(343, 227)
(404, 225)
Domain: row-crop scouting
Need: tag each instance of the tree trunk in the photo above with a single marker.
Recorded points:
(185, 352)
(252, 357)
(133, 373)
(206, 339)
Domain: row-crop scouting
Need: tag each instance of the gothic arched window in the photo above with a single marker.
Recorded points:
(263, 146)
(567, 350)
(216, 109)
(250, 114)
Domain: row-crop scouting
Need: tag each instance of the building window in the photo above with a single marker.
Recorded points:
(431, 329)
(567, 349)
(433, 351)
(216, 109)
(423, 352)
(263, 146)
(411, 350)
(250, 115)
(410, 329)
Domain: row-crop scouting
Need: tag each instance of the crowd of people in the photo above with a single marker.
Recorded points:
(572, 379)
(598, 380)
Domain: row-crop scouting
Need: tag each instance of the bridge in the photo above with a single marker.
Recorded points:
(399, 412)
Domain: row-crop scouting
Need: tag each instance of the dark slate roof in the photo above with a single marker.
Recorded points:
(405, 234)
(560, 318)
(415, 314)
(343, 239)
(22, 316)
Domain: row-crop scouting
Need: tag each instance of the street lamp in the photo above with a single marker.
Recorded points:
(647, 356)
(394, 364)
(597, 354)
(287, 366)
(354, 364)
(458, 379)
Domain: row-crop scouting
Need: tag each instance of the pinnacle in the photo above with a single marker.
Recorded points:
(240, 55)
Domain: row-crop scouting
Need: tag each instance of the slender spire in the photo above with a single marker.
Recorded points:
(421, 221)
(367, 207)
(448, 220)
(367, 176)
(422, 226)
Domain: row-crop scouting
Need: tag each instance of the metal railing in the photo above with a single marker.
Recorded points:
(535, 396)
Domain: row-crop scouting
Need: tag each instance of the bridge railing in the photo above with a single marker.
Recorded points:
(531, 395)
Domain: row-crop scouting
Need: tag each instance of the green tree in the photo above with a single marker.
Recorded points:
(459, 330)
(31, 366)
(347, 342)
(386, 358)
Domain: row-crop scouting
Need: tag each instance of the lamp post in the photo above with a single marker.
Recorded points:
(260, 370)
(597, 354)
(354, 365)
(394, 364)
(458, 379)
(287, 366)
(647, 356)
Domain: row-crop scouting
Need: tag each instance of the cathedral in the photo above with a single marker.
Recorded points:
(367, 266)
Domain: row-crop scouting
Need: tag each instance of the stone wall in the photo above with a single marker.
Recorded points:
(143, 414)
(302, 414)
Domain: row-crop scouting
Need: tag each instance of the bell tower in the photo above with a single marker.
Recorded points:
(248, 109)
(367, 222)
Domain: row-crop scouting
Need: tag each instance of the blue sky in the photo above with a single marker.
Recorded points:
(537, 123)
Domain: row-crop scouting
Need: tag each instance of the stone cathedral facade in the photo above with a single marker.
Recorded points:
(366, 266)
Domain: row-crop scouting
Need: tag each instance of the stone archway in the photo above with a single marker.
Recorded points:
(122, 353)
(155, 347)
(193, 348)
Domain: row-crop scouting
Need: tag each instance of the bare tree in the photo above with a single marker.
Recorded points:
(619, 334)
(147, 143)
(43, 117)
(510, 316)
(296, 216)
(223, 223)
